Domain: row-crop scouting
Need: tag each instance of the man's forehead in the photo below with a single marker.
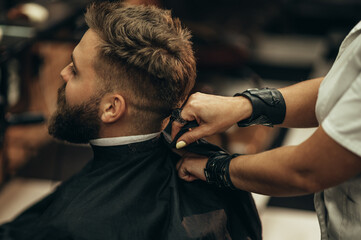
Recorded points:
(86, 50)
(90, 37)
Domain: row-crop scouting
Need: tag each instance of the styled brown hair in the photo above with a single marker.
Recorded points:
(145, 53)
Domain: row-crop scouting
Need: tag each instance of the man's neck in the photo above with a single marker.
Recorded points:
(124, 129)
(122, 132)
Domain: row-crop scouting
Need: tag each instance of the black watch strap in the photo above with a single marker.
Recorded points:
(217, 169)
(269, 107)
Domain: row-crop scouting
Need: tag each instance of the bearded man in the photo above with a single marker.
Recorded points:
(132, 67)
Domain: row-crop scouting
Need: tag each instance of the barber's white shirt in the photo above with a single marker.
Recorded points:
(338, 110)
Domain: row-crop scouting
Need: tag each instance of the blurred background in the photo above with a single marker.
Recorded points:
(238, 44)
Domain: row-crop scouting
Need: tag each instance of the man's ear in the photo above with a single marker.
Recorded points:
(112, 108)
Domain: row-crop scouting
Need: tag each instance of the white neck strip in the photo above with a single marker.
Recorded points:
(115, 141)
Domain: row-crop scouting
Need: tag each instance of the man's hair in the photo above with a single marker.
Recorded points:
(146, 54)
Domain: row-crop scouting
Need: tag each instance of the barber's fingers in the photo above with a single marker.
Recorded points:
(177, 126)
(185, 175)
(193, 135)
(192, 168)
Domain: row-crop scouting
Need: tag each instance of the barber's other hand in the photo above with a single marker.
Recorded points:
(192, 168)
(213, 113)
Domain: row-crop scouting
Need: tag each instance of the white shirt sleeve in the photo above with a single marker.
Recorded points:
(343, 123)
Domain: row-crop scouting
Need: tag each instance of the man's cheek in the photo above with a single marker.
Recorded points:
(76, 95)
(71, 96)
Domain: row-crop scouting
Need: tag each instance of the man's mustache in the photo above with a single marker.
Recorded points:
(61, 95)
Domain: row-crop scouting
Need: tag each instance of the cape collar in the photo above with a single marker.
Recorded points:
(116, 141)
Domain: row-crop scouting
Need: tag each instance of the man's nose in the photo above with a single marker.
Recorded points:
(63, 75)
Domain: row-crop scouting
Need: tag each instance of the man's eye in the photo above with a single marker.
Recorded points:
(72, 69)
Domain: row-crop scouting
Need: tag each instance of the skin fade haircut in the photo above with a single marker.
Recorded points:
(146, 54)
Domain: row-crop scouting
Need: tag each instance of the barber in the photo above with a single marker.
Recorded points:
(328, 163)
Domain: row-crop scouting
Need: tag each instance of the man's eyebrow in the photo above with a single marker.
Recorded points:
(72, 59)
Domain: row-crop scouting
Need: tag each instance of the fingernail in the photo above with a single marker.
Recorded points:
(180, 144)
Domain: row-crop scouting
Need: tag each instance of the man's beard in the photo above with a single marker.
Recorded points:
(75, 124)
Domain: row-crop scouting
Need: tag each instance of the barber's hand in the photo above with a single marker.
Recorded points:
(213, 113)
(192, 168)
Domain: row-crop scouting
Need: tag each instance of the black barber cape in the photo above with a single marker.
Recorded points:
(133, 192)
